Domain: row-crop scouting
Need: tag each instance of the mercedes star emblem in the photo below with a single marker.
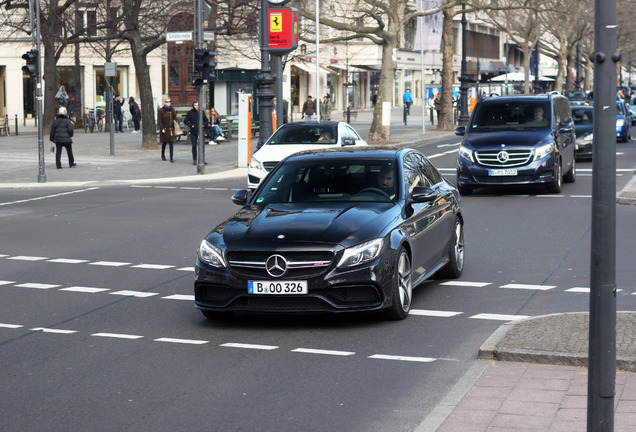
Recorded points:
(276, 266)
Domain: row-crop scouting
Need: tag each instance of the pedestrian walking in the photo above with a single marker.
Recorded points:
(135, 112)
(192, 121)
(407, 98)
(309, 109)
(374, 98)
(166, 118)
(117, 114)
(437, 103)
(62, 135)
(325, 109)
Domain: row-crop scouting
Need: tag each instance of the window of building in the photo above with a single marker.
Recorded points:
(86, 20)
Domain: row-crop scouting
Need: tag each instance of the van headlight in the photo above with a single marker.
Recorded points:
(466, 153)
(543, 151)
(620, 122)
(211, 254)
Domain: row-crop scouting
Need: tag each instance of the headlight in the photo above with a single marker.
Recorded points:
(211, 254)
(588, 138)
(465, 153)
(543, 151)
(361, 253)
(620, 122)
(255, 164)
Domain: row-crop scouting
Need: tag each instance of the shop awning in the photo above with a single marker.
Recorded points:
(309, 68)
(371, 68)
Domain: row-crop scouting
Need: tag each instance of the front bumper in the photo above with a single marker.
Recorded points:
(470, 174)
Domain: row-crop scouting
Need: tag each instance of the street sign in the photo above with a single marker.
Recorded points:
(110, 69)
(178, 36)
(282, 30)
(208, 36)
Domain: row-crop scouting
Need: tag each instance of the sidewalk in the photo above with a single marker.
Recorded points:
(530, 374)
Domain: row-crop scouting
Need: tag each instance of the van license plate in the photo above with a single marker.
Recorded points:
(502, 172)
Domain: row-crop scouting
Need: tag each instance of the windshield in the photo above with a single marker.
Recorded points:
(582, 116)
(331, 181)
(312, 133)
(533, 114)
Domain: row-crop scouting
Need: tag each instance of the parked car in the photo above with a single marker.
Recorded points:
(623, 122)
(294, 137)
(583, 127)
(334, 230)
(517, 140)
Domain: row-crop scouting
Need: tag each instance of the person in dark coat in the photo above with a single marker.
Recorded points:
(166, 118)
(117, 114)
(61, 134)
(192, 121)
(135, 112)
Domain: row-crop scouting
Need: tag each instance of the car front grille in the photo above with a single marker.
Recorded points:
(355, 294)
(269, 165)
(497, 158)
(300, 265)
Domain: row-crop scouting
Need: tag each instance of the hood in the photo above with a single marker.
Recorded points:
(521, 138)
(346, 224)
(278, 152)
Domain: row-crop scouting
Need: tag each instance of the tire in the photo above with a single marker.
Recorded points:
(555, 187)
(453, 269)
(402, 288)
(570, 176)
(465, 190)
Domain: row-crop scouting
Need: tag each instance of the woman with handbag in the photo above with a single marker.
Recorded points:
(167, 117)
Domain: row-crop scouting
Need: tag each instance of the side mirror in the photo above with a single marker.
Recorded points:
(240, 197)
(566, 127)
(460, 131)
(348, 142)
(423, 194)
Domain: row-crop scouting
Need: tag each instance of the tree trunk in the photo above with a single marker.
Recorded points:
(445, 119)
(149, 127)
(379, 134)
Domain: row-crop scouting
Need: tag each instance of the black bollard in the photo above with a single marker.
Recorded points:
(16, 124)
(349, 115)
(404, 114)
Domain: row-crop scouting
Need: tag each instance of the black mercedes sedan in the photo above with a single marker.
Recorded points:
(334, 230)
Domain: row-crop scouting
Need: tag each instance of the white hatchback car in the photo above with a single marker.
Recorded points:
(294, 137)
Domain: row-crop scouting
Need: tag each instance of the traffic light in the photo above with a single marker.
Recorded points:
(31, 67)
(203, 68)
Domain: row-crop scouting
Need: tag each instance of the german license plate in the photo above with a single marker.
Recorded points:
(502, 172)
(277, 287)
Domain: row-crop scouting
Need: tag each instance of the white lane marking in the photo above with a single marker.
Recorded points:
(129, 293)
(117, 335)
(83, 289)
(182, 341)
(550, 196)
(179, 297)
(47, 196)
(499, 317)
(580, 196)
(189, 188)
(109, 263)
(27, 258)
(324, 352)
(528, 287)
(153, 266)
(37, 285)
(11, 326)
(190, 269)
(3, 282)
(249, 346)
(3, 256)
(67, 261)
(141, 186)
(165, 187)
(466, 283)
(578, 290)
(434, 313)
(435, 155)
(50, 330)
(216, 189)
(402, 358)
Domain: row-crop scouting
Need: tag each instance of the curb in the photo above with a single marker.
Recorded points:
(627, 196)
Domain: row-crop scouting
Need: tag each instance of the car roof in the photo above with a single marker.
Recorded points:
(516, 98)
(366, 152)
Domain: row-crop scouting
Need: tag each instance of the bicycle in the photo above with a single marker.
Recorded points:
(100, 119)
(89, 120)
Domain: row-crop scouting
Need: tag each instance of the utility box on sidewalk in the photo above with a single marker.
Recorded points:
(244, 130)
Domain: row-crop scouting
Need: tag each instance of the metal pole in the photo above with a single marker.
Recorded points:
(464, 115)
(38, 95)
(112, 117)
(265, 82)
(279, 91)
(201, 137)
(420, 22)
(602, 336)
(318, 96)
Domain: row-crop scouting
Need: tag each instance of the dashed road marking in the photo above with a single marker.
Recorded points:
(52, 330)
(130, 293)
(37, 285)
(249, 346)
(27, 258)
(528, 287)
(402, 358)
(83, 289)
(68, 261)
(323, 352)
(499, 317)
(179, 297)
(434, 313)
(466, 284)
(153, 266)
(110, 263)
(182, 341)
(117, 335)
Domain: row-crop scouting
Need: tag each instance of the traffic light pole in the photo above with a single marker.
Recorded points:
(201, 136)
(38, 96)
(265, 81)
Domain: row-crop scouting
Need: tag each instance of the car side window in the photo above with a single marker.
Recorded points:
(431, 175)
(412, 176)
(347, 132)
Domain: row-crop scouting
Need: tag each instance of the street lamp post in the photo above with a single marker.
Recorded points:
(463, 98)
(265, 82)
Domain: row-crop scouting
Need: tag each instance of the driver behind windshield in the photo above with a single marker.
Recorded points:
(385, 180)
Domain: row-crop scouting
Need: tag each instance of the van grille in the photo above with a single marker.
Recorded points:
(503, 158)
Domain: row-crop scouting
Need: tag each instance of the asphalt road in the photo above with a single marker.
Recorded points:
(98, 330)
